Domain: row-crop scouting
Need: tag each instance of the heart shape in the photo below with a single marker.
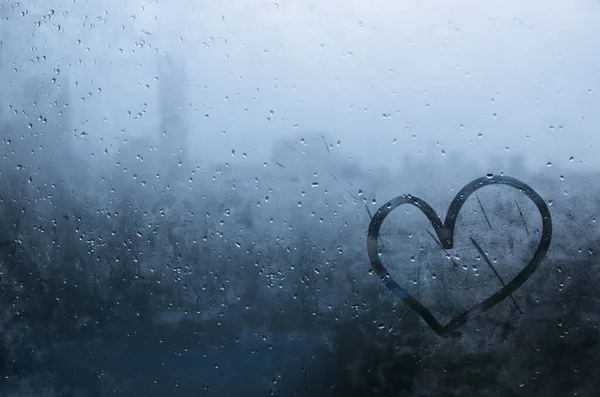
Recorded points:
(445, 233)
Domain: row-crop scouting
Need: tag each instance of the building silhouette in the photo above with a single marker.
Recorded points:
(172, 80)
(158, 159)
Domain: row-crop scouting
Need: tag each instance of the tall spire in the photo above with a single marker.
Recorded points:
(172, 87)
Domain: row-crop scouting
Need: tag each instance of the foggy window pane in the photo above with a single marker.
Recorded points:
(391, 198)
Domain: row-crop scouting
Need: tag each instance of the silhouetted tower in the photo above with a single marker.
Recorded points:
(63, 136)
(171, 90)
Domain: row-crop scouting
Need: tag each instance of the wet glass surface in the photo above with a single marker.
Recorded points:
(261, 198)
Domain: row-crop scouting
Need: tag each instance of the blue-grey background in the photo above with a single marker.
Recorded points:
(186, 186)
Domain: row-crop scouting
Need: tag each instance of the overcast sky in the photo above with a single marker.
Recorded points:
(478, 78)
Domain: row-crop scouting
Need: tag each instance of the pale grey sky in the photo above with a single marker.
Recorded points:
(431, 75)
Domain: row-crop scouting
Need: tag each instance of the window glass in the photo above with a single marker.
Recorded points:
(389, 198)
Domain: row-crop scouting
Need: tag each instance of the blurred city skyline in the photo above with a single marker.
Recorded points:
(496, 81)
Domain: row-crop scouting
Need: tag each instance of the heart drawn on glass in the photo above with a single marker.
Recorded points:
(445, 233)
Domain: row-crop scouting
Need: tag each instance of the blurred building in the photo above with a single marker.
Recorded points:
(157, 158)
(172, 87)
(38, 123)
